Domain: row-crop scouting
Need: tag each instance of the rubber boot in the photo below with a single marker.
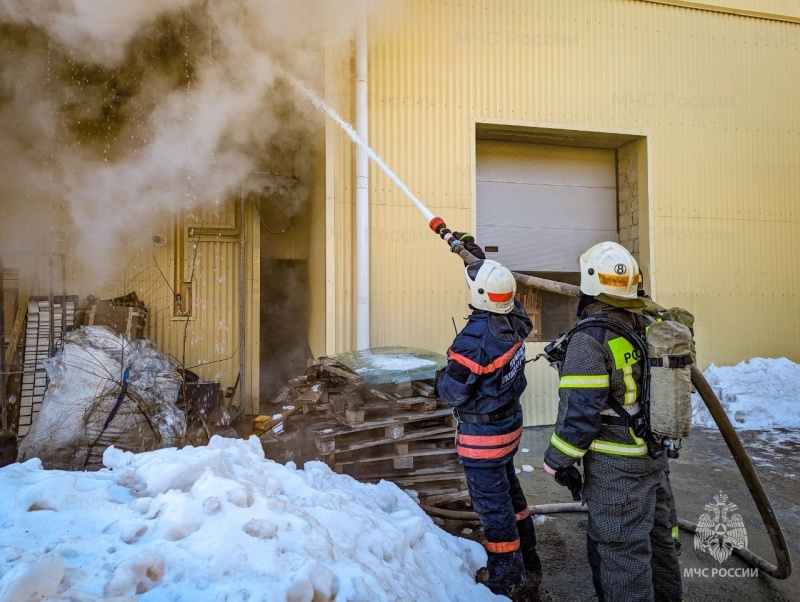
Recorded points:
(527, 539)
(505, 573)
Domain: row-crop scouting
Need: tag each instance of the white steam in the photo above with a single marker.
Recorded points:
(116, 115)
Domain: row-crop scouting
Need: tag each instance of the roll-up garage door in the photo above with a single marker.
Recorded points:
(540, 206)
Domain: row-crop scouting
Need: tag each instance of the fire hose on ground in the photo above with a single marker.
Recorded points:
(783, 568)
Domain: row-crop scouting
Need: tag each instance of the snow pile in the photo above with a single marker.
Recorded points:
(221, 523)
(104, 390)
(756, 394)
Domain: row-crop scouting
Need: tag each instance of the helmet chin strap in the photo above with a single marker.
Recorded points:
(584, 301)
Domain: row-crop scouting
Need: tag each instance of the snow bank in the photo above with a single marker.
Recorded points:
(756, 394)
(221, 523)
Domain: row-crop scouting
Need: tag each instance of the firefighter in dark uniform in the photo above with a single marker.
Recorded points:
(631, 511)
(483, 381)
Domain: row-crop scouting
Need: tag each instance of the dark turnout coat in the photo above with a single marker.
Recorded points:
(485, 376)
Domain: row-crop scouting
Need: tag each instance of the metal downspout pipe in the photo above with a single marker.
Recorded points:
(362, 189)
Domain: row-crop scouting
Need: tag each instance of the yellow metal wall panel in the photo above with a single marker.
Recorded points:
(207, 343)
(340, 306)
(222, 215)
(540, 398)
(252, 311)
(713, 93)
(317, 264)
(781, 10)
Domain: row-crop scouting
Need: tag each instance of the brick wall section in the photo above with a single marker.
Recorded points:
(628, 199)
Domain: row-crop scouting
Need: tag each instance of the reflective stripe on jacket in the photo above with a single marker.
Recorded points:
(599, 364)
(485, 373)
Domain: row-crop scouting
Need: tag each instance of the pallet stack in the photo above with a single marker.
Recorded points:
(399, 432)
(37, 349)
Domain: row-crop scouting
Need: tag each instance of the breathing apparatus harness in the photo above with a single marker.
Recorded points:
(639, 423)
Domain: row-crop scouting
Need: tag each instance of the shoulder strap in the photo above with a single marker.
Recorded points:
(623, 331)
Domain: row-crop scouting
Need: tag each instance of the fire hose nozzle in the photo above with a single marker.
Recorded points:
(437, 225)
(456, 246)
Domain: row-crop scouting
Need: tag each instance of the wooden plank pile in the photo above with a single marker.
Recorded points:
(399, 432)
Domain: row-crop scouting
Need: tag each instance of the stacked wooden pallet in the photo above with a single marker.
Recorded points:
(399, 432)
(43, 326)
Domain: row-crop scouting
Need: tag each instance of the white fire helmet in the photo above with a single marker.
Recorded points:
(609, 268)
(491, 286)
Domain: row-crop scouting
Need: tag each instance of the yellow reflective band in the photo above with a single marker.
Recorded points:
(636, 439)
(630, 386)
(675, 534)
(584, 381)
(618, 449)
(625, 354)
(566, 448)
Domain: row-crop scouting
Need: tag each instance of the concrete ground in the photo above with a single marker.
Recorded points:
(704, 468)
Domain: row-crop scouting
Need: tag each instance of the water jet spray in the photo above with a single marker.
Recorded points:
(435, 223)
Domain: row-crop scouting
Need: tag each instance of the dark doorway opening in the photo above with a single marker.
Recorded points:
(284, 324)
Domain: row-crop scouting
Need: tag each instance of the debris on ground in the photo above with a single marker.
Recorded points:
(396, 429)
(104, 389)
(124, 315)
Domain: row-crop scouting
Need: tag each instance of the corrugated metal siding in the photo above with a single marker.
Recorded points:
(252, 310)
(768, 9)
(716, 94)
(540, 399)
(212, 335)
(317, 264)
(340, 307)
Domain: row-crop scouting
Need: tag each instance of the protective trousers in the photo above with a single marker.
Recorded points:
(630, 545)
(507, 525)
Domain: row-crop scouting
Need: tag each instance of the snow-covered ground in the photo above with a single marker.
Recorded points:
(221, 523)
(762, 400)
(759, 394)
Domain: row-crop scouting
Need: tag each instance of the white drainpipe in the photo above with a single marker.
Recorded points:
(362, 190)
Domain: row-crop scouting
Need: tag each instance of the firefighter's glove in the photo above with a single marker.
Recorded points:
(436, 379)
(572, 479)
(469, 244)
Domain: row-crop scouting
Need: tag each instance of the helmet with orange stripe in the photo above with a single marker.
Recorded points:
(491, 286)
(609, 268)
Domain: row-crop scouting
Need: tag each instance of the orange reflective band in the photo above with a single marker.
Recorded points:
(502, 547)
(488, 447)
(490, 440)
(486, 453)
(500, 297)
(522, 515)
(476, 368)
(618, 279)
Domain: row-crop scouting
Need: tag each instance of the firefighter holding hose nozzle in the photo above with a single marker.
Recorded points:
(482, 381)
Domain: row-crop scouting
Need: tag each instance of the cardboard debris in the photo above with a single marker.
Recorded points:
(124, 315)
